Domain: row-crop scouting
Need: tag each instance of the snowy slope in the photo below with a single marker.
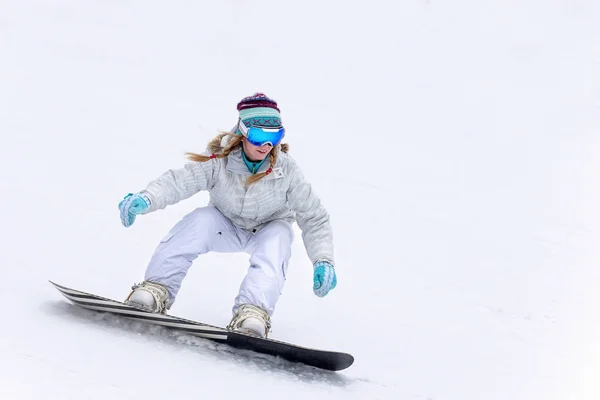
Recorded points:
(455, 144)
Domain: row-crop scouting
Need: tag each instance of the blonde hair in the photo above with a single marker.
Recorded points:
(215, 147)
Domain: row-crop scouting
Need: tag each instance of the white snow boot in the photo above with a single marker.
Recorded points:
(251, 320)
(149, 296)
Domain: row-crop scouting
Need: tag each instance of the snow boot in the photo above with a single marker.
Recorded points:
(251, 320)
(149, 296)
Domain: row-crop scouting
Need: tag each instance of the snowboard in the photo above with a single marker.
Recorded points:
(323, 359)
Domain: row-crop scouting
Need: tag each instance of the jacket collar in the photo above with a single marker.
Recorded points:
(253, 166)
(237, 165)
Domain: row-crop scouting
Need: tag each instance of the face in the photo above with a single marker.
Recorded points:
(255, 153)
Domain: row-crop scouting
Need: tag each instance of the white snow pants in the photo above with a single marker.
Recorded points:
(206, 229)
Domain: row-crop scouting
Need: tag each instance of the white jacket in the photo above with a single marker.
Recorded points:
(282, 195)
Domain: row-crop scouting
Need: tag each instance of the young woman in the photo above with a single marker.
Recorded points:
(256, 192)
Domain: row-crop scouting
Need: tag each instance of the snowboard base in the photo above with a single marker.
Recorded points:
(323, 359)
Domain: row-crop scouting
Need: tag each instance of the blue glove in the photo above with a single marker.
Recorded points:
(324, 278)
(132, 205)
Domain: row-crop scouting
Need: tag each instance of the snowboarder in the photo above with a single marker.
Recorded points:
(256, 192)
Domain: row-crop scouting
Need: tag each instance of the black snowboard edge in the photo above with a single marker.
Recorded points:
(323, 359)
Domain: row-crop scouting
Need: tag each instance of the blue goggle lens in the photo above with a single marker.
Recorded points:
(261, 136)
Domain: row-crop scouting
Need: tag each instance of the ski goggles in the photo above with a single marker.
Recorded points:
(259, 136)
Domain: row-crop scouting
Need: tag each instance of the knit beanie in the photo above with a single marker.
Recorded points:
(259, 110)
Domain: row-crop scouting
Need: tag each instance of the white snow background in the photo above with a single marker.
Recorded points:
(455, 144)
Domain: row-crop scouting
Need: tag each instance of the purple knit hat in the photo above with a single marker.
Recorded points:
(257, 100)
(259, 110)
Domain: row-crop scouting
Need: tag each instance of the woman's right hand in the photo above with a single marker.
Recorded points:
(132, 205)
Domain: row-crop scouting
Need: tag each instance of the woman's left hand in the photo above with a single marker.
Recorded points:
(324, 278)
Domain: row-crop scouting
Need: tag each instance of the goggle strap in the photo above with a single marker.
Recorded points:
(242, 127)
